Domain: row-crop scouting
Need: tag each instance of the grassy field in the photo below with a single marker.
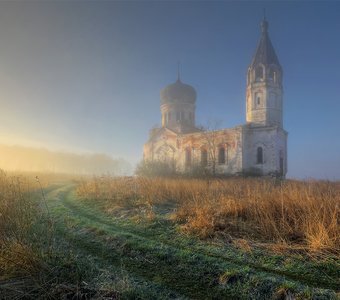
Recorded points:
(138, 238)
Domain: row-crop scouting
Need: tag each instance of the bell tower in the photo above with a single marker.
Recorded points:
(264, 85)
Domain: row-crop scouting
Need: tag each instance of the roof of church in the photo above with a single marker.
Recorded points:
(178, 92)
(265, 53)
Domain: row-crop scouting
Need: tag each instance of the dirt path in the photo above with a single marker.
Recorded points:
(180, 267)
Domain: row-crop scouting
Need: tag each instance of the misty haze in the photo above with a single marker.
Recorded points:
(169, 150)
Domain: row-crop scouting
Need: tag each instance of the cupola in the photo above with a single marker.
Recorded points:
(178, 92)
(178, 106)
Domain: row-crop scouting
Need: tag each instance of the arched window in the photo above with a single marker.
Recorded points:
(258, 99)
(221, 155)
(275, 76)
(259, 155)
(204, 157)
(188, 157)
(178, 116)
(182, 115)
(272, 75)
(259, 73)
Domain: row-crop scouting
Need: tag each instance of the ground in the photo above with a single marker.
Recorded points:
(123, 254)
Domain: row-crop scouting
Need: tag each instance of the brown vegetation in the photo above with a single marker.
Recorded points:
(303, 214)
(17, 215)
(30, 265)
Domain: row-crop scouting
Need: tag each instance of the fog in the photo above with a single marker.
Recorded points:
(19, 158)
(85, 76)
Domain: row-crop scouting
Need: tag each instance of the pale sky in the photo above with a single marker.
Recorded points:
(85, 76)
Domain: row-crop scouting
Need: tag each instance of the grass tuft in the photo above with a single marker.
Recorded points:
(302, 214)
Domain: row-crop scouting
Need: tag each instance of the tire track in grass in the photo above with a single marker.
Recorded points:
(302, 277)
(85, 246)
(306, 275)
(168, 271)
(148, 260)
(106, 262)
(132, 241)
(154, 262)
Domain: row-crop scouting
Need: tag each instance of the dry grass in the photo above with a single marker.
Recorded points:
(29, 257)
(17, 215)
(292, 213)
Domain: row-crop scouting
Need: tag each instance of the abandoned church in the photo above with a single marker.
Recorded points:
(257, 147)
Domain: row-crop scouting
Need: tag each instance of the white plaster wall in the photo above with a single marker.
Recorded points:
(269, 111)
(272, 140)
(232, 138)
(241, 152)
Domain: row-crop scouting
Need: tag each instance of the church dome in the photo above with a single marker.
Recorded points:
(178, 92)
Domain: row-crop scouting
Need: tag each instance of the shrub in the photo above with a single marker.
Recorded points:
(155, 169)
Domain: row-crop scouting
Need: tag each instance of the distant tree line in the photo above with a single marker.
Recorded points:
(19, 158)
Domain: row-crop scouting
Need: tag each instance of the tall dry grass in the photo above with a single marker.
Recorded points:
(304, 213)
(18, 214)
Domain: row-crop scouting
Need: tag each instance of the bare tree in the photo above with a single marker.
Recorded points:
(210, 135)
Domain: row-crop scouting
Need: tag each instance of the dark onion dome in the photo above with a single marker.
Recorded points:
(178, 92)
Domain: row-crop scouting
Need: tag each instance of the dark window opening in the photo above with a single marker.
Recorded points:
(221, 155)
(273, 75)
(204, 157)
(258, 97)
(188, 157)
(259, 74)
(259, 155)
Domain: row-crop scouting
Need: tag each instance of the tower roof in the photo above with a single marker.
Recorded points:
(265, 53)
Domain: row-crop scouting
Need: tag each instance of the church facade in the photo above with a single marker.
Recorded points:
(257, 147)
